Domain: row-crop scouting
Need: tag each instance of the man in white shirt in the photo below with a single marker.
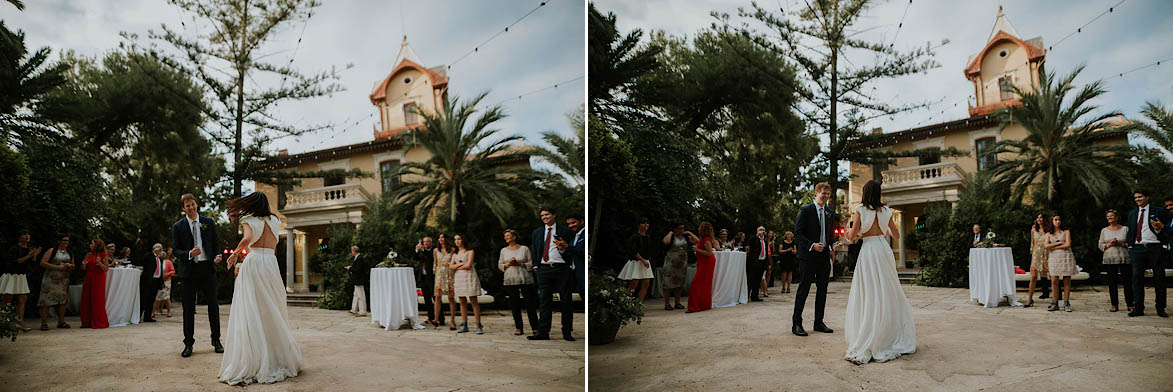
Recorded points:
(977, 235)
(1146, 234)
(552, 268)
(196, 252)
(358, 302)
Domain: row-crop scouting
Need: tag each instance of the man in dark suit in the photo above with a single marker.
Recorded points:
(196, 256)
(756, 252)
(813, 230)
(358, 276)
(977, 235)
(425, 278)
(1145, 239)
(150, 281)
(551, 258)
(577, 251)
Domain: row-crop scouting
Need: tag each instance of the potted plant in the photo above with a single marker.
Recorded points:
(611, 308)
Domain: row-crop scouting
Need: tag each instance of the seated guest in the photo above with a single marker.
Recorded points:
(150, 281)
(723, 240)
(55, 283)
(514, 260)
(1114, 242)
(93, 289)
(14, 282)
(1060, 262)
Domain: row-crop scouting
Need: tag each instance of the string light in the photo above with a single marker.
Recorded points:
(553, 86)
(503, 31)
(901, 24)
(1080, 28)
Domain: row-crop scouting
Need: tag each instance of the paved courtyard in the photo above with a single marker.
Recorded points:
(960, 347)
(340, 353)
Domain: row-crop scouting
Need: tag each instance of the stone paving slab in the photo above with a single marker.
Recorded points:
(340, 353)
(960, 346)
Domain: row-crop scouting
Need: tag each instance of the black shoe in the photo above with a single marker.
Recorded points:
(540, 336)
(1136, 313)
(186, 352)
(755, 300)
(150, 320)
(819, 326)
(1161, 312)
(797, 330)
(219, 347)
(1045, 296)
(567, 337)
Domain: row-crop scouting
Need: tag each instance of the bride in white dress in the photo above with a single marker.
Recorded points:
(259, 345)
(879, 320)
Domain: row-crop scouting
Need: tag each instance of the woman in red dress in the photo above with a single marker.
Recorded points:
(700, 292)
(93, 289)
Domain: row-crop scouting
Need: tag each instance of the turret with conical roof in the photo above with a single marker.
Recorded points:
(408, 90)
(1005, 61)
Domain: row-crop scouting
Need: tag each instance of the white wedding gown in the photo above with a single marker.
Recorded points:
(879, 320)
(259, 345)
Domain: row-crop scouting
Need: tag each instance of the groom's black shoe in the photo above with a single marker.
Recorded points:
(819, 326)
(797, 330)
(540, 336)
(219, 347)
(186, 352)
(1161, 312)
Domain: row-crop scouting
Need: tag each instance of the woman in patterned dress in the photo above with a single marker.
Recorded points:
(1038, 257)
(55, 283)
(466, 284)
(441, 257)
(1061, 262)
(675, 273)
(163, 296)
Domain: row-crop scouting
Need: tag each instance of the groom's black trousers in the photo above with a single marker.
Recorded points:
(815, 268)
(206, 283)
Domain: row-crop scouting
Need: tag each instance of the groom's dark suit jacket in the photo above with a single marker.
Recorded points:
(806, 230)
(1161, 214)
(182, 242)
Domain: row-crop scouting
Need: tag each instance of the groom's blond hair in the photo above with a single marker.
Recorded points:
(821, 186)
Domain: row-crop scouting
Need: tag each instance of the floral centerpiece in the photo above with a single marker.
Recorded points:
(389, 260)
(988, 242)
(611, 308)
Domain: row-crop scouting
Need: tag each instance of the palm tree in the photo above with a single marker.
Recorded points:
(464, 165)
(567, 154)
(24, 79)
(1162, 130)
(1059, 147)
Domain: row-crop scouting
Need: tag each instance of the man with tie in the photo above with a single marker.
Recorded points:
(756, 251)
(813, 231)
(150, 282)
(577, 251)
(1146, 234)
(426, 279)
(977, 235)
(358, 278)
(196, 252)
(551, 265)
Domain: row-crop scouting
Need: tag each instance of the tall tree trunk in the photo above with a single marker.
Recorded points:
(834, 156)
(237, 150)
(596, 221)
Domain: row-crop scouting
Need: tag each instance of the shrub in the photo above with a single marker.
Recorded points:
(8, 319)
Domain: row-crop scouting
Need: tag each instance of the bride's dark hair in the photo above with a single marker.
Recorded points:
(255, 204)
(871, 195)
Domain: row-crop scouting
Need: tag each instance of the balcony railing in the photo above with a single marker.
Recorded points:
(930, 175)
(326, 196)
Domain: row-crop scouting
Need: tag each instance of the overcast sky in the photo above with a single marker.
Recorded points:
(1135, 34)
(545, 48)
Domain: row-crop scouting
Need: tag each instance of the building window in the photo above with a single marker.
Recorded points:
(411, 113)
(389, 180)
(929, 160)
(1006, 87)
(985, 161)
(334, 179)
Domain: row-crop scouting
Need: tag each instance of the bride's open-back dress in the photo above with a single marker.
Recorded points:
(879, 320)
(259, 345)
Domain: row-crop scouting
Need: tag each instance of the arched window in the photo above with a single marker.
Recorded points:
(985, 161)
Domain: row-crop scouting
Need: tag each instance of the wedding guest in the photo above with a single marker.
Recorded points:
(576, 251)
(112, 251)
(768, 279)
(14, 282)
(93, 289)
(756, 254)
(466, 284)
(163, 295)
(739, 241)
(150, 281)
(1060, 262)
(441, 257)
(638, 271)
(55, 283)
(700, 292)
(358, 302)
(977, 235)
(519, 282)
(553, 274)
(723, 240)
(1038, 258)
(1145, 235)
(787, 251)
(675, 271)
(425, 276)
(1113, 241)
(124, 257)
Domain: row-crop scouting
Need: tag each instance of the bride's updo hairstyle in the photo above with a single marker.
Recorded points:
(871, 195)
(255, 204)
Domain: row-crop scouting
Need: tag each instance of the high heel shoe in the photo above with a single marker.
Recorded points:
(463, 328)
(452, 327)
(1054, 306)
(480, 329)
(1067, 306)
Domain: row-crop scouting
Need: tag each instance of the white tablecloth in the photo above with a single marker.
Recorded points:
(729, 280)
(991, 276)
(122, 296)
(393, 298)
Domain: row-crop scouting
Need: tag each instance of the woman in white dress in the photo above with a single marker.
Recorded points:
(879, 320)
(259, 345)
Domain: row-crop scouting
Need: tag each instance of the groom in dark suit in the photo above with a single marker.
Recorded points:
(1146, 233)
(196, 253)
(552, 265)
(813, 230)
